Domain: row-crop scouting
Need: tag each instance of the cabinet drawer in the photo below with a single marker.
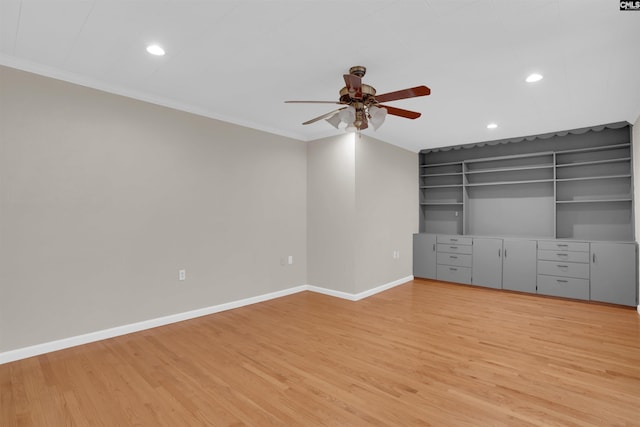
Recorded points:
(454, 274)
(563, 256)
(564, 269)
(455, 240)
(552, 245)
(454, 249)
(567, 287)
(461, 260)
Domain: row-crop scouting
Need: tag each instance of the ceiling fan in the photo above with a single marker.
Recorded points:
(361, 105)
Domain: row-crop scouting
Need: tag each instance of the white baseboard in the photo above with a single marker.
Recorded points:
(361, 295)
(38, 349)
(382, 288)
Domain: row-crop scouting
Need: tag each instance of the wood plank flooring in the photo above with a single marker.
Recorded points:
(423, 353)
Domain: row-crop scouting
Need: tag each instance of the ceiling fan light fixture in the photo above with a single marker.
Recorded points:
(335, 120)
(377, 115)
(348, 115)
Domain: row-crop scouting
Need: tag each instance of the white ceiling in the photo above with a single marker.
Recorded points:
(238, 60)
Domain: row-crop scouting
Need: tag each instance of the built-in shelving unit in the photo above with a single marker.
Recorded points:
(594, 193)
(572, 185)
(509, 170)
(494, 190)
(441, 196)
(549, 214)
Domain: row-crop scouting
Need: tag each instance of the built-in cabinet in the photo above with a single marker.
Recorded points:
(424, 256)
(564, 199)
(519, 272)
(612, 271)
(454, 258)
(487, 262)
(563, 269)
(596, 271)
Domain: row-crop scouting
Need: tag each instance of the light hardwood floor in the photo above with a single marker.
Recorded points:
(423, 353)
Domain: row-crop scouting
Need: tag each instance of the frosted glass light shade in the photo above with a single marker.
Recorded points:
(377, 116)
(335, 120)
(348, 115)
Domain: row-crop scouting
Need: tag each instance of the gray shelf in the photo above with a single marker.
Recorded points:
(586, 178)
(594, 201)
(485, 184)
(442, 186)
(576, 185)
(434, 165)
(594, 162)
(595, 148)
(510, 169)
(441, 203)
(429, 175)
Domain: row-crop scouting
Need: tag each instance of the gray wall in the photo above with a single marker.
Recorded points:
(104, 198)
(331, 208)
(362, 206)
(386, 212)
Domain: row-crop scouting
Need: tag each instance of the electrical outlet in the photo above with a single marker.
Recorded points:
(182, 274)
(290, 260)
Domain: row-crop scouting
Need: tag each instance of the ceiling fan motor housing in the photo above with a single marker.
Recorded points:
(358, 70)
(368, 94)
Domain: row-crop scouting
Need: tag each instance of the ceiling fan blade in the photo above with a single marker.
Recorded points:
(354, 85)
(400, 112)
(405, 93)
(324, 116)
(312, 102)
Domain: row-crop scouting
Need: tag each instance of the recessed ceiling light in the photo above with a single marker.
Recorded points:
(492, 126)
(532, 78)
(154, 49)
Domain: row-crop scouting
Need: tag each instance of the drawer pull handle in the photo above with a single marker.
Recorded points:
(594, 257)
(434, 246)
(562, 281)
(563, 266)
(453, 269)
(453, 247)
(563, 245)
(559, 254)
(453, 257)
(505, 253)
(454, 240)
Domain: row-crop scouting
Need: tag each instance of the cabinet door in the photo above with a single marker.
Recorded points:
(519, 265)
(487, 263)
(424, 256)
(613, 273)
